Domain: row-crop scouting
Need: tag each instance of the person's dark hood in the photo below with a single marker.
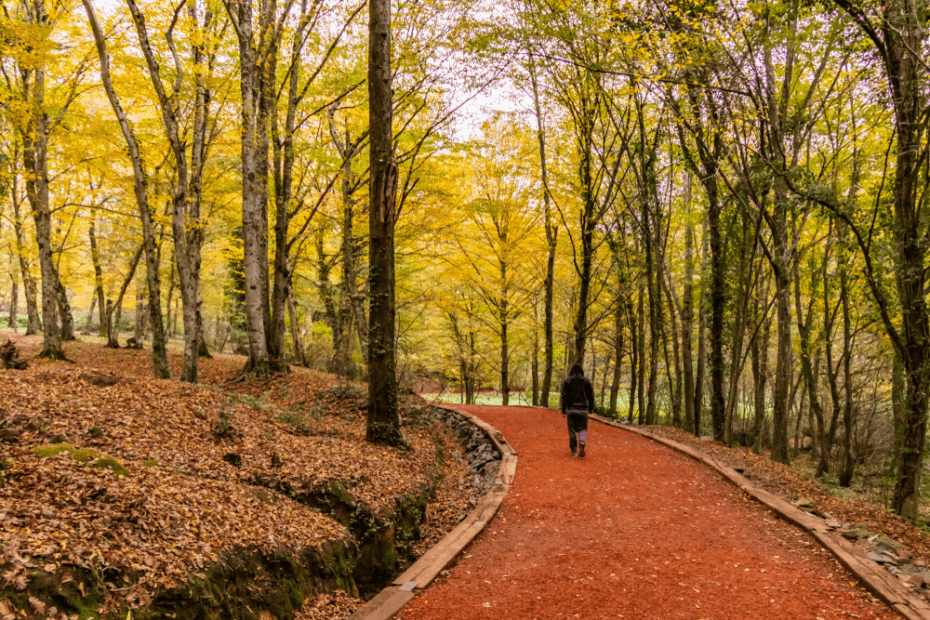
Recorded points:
(576, 370)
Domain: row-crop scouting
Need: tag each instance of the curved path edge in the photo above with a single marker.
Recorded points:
(393, 598)
(878, 581)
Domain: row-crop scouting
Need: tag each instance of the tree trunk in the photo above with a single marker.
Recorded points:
(254, 164)
(159, 353)
(618, 356)
(98, 274)
(112, 322)
(634, 358)
(655, 314)
(64, 309)
(687, 311)
(29, 284)
(35, 163)
(551, 240)
(383, 425)
(299, 355)
(641, 332)
(90, 315)
(13, 321)
(848, 468)
(535, 363)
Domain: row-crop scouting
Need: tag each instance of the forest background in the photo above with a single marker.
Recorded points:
(720, 209)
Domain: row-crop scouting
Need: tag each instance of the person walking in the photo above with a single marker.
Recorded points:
(577, 400)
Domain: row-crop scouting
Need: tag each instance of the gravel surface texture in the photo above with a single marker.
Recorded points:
(633, 530)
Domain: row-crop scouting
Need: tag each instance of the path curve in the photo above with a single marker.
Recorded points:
(634, 530)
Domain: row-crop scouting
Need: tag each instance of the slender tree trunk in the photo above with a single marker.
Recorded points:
(88, 323)
(641, 332)
(505, 354)
(35, 164)
(699, 374)
(551, 240)
(383, 420)
(29, 284)
(13, 322)
(139, 327)
(159, 353)
(655, 310)
(535, 364)
(848, 468)
(618, 356)
(64, 309)
(759, 356)
(634, 358)
(687, 311)
(113, 322)
(299, 355)
(98, 273)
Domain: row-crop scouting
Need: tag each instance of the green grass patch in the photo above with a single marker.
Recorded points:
(83, 455)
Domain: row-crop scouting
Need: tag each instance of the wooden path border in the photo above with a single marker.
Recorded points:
(393, 598)
(876, 579)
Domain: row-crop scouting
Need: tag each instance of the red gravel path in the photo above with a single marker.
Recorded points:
(634, 530)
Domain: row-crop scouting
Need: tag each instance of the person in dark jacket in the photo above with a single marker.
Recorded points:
(577, 402)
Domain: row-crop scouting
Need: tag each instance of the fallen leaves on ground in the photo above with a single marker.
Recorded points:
(204, 464)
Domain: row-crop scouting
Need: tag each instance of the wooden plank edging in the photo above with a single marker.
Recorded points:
(877, 580)
(393, 598)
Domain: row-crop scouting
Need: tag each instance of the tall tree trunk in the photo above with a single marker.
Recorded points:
(30, 292)
(587, 223)
(534, 371)
(759, 353)
(551, 240)
(618, 356)
(699, 379)
(253, 60)
(159, 353)
(717, 308)
(655, 310)
(35, 163)
(383, 425)
(641, 334)
(634, 358)
(848, 468)
(687, 311)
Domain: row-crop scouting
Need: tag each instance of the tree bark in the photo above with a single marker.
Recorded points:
(383, 426)
(641, 332)
(551, 240)
(159, 353)
(13, 320)
(30, 292)
(35, 163)
(687, 311)
(98, 274)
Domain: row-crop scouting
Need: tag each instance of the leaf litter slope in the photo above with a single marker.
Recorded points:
(634, 530)
(182, 504)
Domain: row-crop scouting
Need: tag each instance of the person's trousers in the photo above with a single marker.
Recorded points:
(577, 428)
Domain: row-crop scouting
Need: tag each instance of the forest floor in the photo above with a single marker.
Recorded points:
(633, 530)
(153, 480)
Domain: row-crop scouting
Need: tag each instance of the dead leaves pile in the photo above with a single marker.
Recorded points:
(333, 606)
(790, 484)
(195, 456)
